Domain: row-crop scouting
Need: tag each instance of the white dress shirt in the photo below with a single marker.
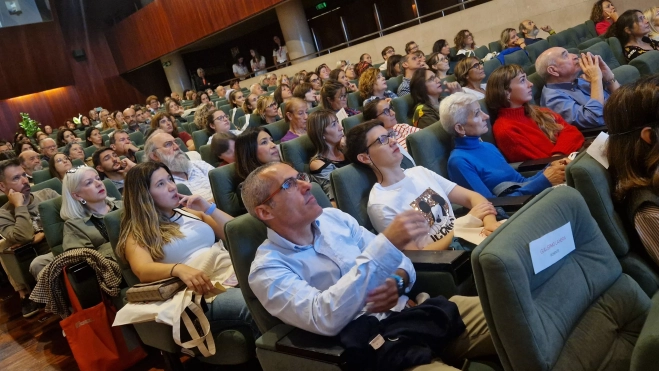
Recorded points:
(322, 287)
(197, 181)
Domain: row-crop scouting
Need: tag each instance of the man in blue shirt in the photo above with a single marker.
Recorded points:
(579, 100)
(318, 270)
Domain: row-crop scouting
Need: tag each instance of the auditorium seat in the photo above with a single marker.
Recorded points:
(646, 63)
(590, 42)
(626, 74)
(254, 121)
(352, 121)
(581, 313)
(239, 113)
(394, 82)
(89, 151)
(495, 46)
(536, 49)
(271, 89)
(355, 101)
(604, 51)
(224, 185)
(594, 183)
(582, 33)
(298, 153)
(490, 66)
(431, 147)
(591, 28)
(225, 108)
(200, 138)
(616, 48)
(277, 130)
(481, 51)
(404, 109)
(137, 138)
(519, 58)
(41, 176)
(207, 155)
(565, 39)
(538, 84)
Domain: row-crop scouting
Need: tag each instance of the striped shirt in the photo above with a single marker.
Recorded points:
(646, 222)
(402, 131)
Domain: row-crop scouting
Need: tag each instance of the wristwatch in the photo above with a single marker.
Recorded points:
(400, 284)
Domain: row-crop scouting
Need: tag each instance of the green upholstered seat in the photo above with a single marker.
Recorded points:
(495, 46)
(139, 156)
(207, 155)
(254, 121)
(565, 39)
(181, 145)
(538, 84)
(591, 28)
(582, 32)
(89, 151)
(580, 313)
(431, 148)
(594, 183)
(616, 48)
(239, 113)
(404, 109)
(224, 184)
(604, 51)
(590, 42)
(536, 49)
(490, 66)
(298, 152)
(519, 58)
(200, 138)
(646, 63)
(481, 51)
(355, 101)
(225, 108)
(41, 176)
(626, 74)
(352, 121)
(137, 138)
(277, 130)
(394, 82)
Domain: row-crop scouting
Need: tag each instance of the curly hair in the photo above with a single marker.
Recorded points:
(366, 82)
(462, 70)
(597, 14)
(201, 114)
(460, 40)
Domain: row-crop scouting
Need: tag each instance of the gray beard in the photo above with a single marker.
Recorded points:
(37, 167)
(177, 163)
(535, 31)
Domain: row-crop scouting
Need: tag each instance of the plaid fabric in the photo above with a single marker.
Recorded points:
(50, 289)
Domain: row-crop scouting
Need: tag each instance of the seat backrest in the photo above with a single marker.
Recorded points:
(539, 321)
(592, 41)
(225, 108)
(404, 109)
(139, 156)
(207, 155)
(224, 185)
(627, 73)
(481, 51)
(604, 51)
(590, 25)
(565, 39)
(538, 84)
(450, 78)
(616, 48)
(277, 130)
(646, 63)
(244, 235)
(52, 223)
(89, 151)
(137, 138)
(200, 138)
(40, 176)
(581, 32)
(181, 145)
(52, 183)
(394, 82)
(239, 113)
(355, 101)
(519, 57)
(352, 121)
(536, 49)
(494, 46)
(490, 66)
(431, 148)
(272, 88)
(255, 121)
(298, 152)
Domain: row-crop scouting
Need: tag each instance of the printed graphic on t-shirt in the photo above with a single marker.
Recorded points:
(436, 211)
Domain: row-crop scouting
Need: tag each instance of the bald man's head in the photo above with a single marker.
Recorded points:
(129, 116)
(557, 65)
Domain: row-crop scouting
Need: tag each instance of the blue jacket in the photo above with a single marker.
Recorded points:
(479, 166)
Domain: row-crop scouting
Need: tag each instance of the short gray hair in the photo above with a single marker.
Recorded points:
(454, 110)
(149, 146)
(255, 189)
(45, 139)
(543, 62)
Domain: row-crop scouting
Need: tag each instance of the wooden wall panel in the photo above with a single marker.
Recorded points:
(164, 26)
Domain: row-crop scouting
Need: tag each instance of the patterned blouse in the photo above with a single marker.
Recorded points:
(632, 51)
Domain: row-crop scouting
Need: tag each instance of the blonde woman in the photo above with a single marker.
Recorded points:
(200, 116)
(283, 80)
(267, 108)
(652, 15)
(295, 114)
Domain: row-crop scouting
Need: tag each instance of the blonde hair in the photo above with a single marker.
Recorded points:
(201, 114)
(72, 208)
(651, 16)
(262, 104)
(141, 220)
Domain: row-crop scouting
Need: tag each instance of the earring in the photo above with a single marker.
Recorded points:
(83, 202)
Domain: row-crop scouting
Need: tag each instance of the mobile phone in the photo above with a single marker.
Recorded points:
(98, 109)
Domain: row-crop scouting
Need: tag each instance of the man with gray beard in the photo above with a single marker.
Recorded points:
(530, 31)
(30, 162)
(162, 147)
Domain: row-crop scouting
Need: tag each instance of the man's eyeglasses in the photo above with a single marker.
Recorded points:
(387, 111)
(289, 184)
(477, 65)
(383, 139)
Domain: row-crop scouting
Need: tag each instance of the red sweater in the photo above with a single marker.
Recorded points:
(519, 138)
(602, 26)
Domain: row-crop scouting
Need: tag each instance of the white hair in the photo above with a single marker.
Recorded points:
(544, 61)
(72, 208)
(454, 110)
(149, 146)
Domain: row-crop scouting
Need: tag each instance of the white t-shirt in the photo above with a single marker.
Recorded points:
(421, 190)
(240, 70)
(280, 54)
(477, 93)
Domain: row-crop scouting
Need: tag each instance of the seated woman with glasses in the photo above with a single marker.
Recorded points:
(470, 75)
(254, 148)
(93, 137)
(314, 80)
(58, 165)
(306, 93)
(478, 165)
(340, 76)
(633, 121)
(326, 134)
(74, 151)
(426, 89)
(372, 84)
(333, 97)
(84, 204)
(268, 109)
(397, 190)
(438, 63)
(523, 131)
(380, 109)
(65, 137)
(165, 234)
(223, 147)
(216, 122)
(166, 122)
(510, 43)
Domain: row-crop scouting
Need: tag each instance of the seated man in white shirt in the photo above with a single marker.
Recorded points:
(162, 147)
(319, 270)
(397, 190)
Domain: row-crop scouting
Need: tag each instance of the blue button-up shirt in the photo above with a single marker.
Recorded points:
(323, 286)
(572, 101)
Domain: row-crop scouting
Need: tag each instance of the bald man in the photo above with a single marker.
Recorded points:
(30, 162)
(580, 101)
(130, 118)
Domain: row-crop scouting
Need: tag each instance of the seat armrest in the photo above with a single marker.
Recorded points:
(305, 344)
(510, 203)
(645, 355)
(269, 339)
(537, 164)
(16, 250)
(457, 263)
(593, 132)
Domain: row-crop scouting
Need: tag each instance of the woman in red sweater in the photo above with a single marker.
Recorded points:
(522, 131)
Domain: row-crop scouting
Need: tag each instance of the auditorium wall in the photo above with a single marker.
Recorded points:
(485, 21)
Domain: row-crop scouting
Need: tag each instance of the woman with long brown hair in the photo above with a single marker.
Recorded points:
(633, 152)
(167, 122)
(326, 134)
(522, 131)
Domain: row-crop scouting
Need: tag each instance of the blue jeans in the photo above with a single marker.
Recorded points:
(229, 310)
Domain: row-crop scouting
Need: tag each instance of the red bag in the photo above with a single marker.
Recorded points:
(95, 344)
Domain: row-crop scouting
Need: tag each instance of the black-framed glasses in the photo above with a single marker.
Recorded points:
(476, 65)
(383, 139)
(314, 80)
(387, 111)
(272, 105)
(289, 184)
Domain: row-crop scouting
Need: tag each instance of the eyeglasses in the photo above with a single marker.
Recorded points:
(49, 147)
(477, 65)
(168, 144)
(314, 80)
(387, 111)
(383, 139)
(272, 105)
(289, 184)
(222, 118)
